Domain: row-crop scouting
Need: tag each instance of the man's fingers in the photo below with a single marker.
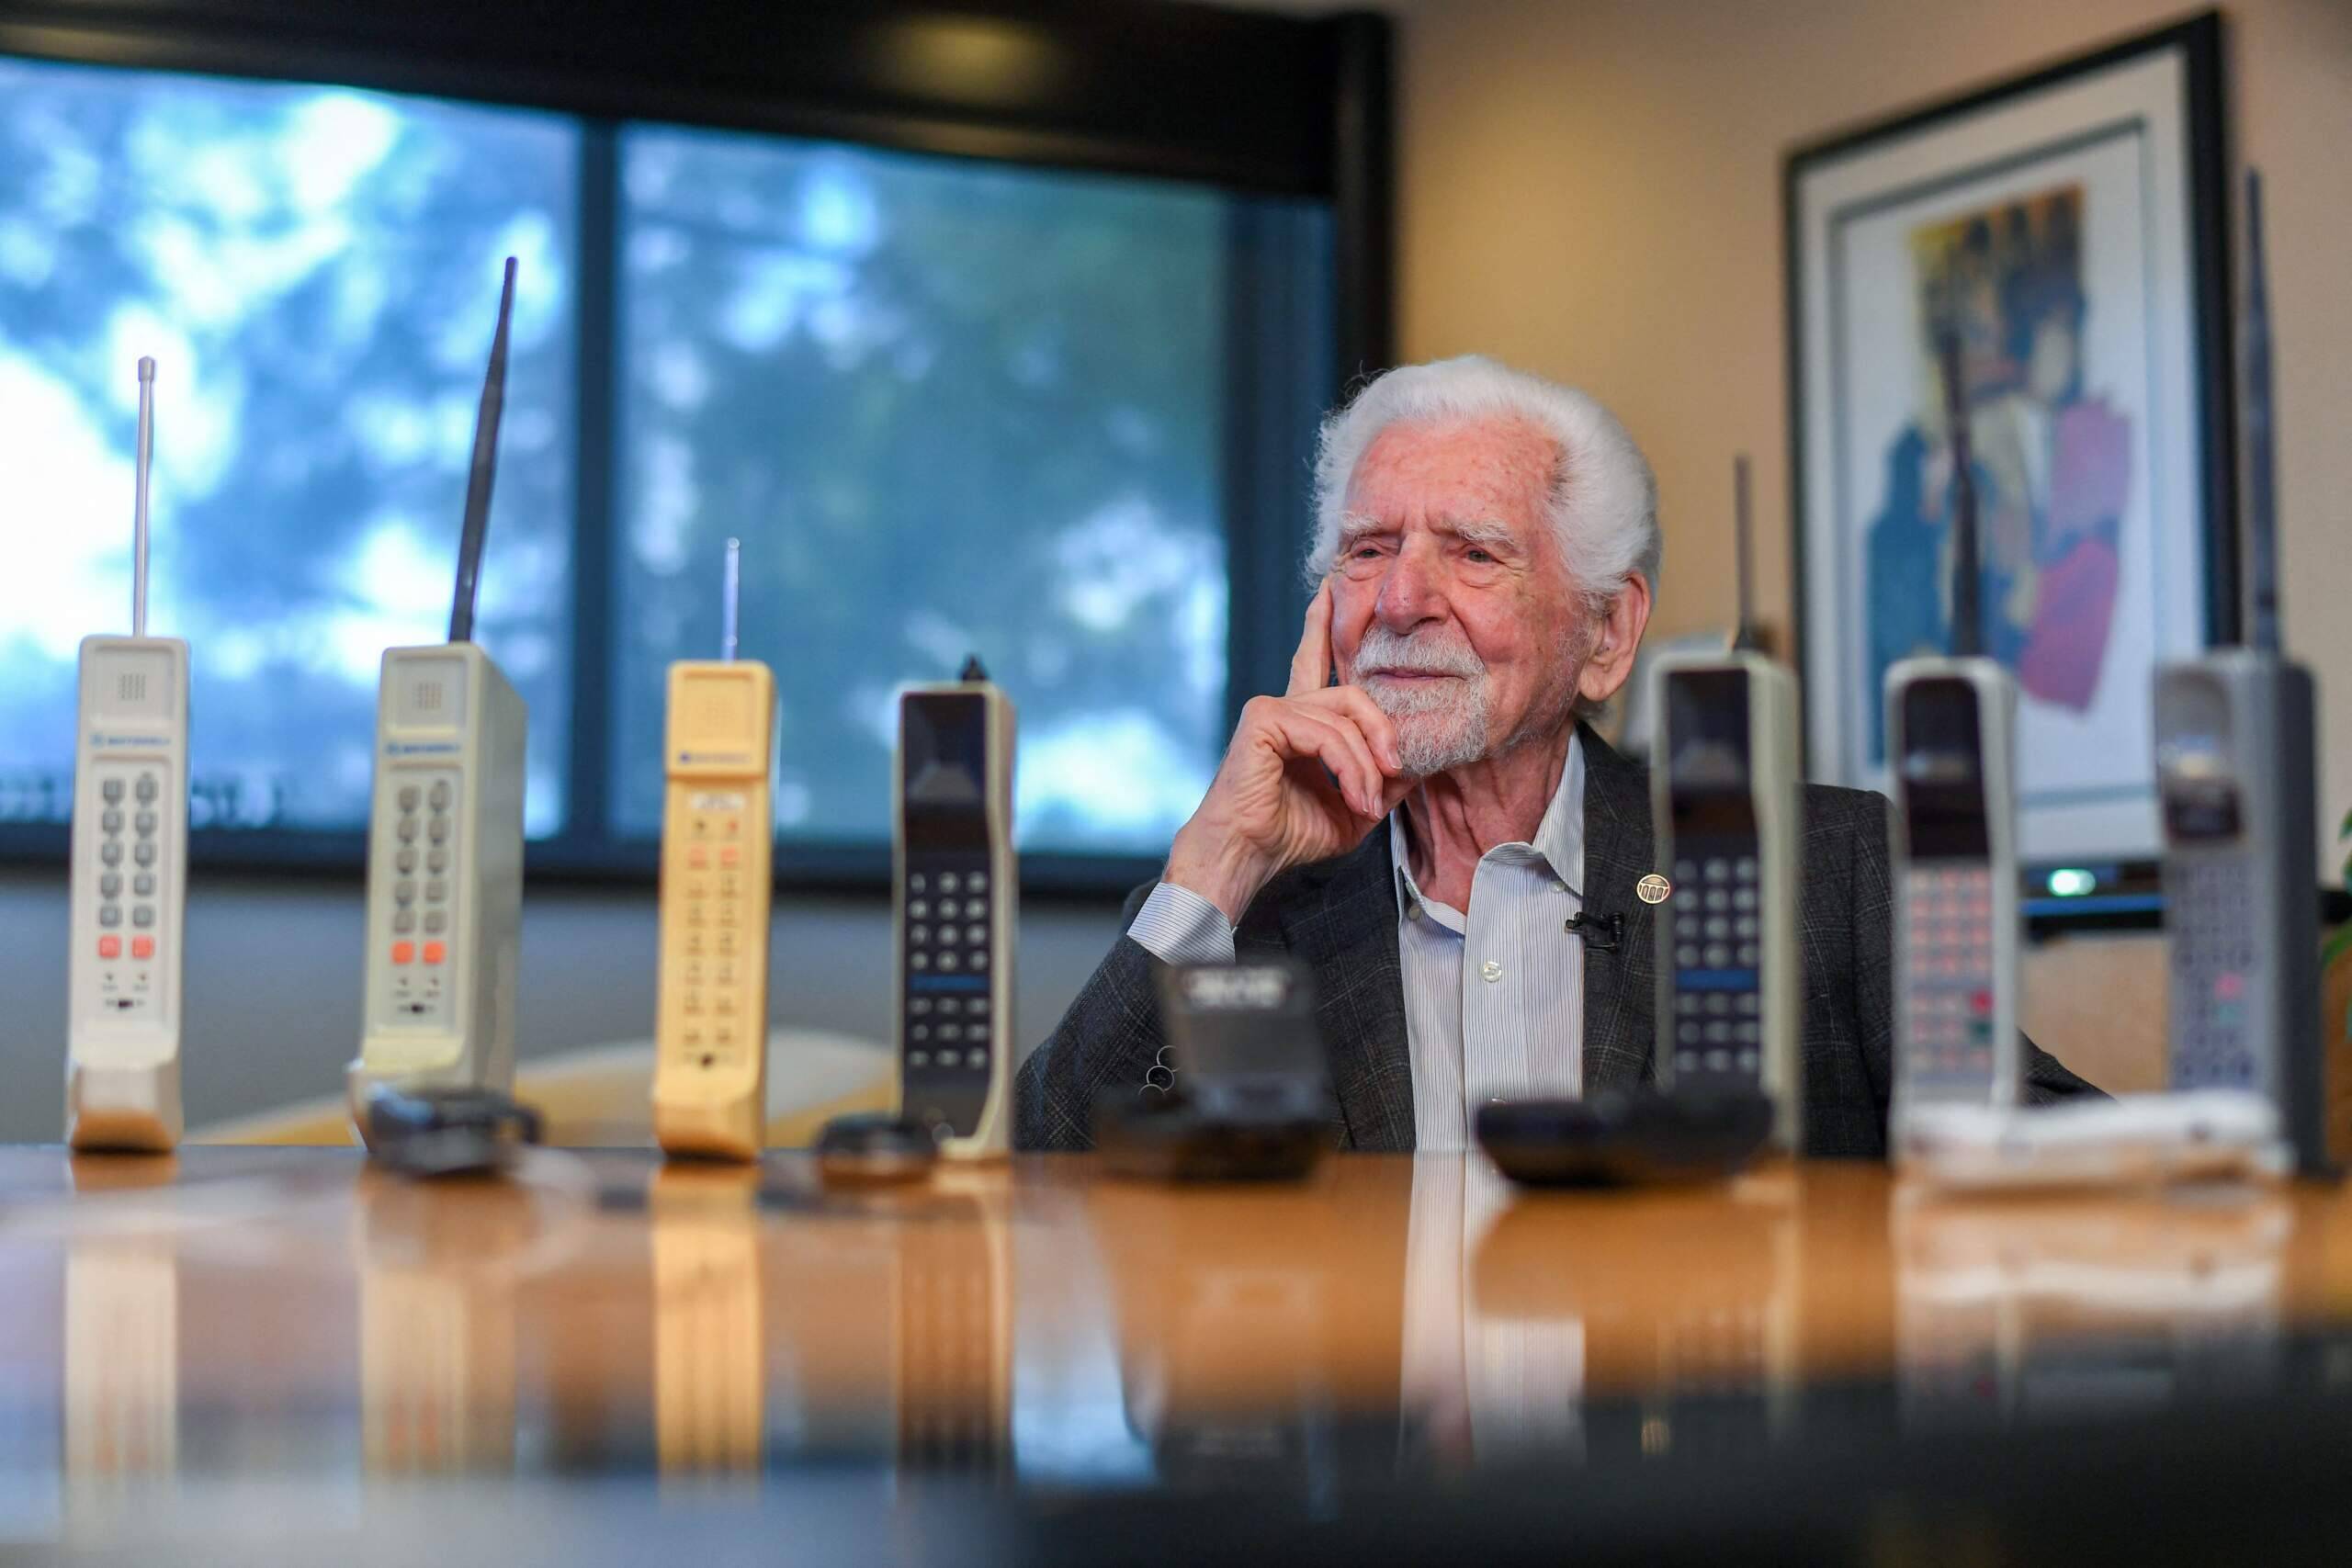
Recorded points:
(1330, 740)
(1310, 667)
(1377, 726)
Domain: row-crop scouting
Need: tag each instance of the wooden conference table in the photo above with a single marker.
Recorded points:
(1033, 1343)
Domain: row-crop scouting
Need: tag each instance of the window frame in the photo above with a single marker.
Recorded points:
(1256, 104)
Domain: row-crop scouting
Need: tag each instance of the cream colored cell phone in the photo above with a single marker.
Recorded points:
(129, 869)
(710, 1030)
(445, 839)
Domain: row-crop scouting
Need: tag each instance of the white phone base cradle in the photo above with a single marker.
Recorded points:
(2133, 1140)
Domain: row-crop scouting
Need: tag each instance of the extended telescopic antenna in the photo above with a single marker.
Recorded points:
(138, 502)
(1967, 619)
(485, 471)
(730, 595)
(2261, 499)
(1743, 636)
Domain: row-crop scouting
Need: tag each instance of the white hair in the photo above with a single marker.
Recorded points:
(1603, 505)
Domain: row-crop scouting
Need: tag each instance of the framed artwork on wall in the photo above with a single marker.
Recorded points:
(2069, 228)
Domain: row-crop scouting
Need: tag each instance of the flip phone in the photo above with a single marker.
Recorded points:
(954, 900)
(130, 868)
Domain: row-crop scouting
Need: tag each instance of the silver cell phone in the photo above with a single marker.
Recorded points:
(2236, 751)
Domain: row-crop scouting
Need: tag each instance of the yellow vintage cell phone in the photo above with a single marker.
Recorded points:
(710, 1032)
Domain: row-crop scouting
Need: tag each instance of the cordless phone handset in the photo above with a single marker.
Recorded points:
(717, 833)
(128, 903)
(445, 856)
(1951, 727)
(2236, 755)
(954, 901)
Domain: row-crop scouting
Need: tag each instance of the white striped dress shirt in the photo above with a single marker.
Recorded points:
(1494, 994)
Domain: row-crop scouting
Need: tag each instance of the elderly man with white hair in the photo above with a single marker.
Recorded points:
(1418, 832)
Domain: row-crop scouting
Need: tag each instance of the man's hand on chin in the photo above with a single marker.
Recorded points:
(1307, 776)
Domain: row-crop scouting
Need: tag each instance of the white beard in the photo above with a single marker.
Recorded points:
(1442, 723)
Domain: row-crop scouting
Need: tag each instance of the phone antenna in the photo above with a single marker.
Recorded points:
(1967, 581)
(973, 669)
(1743, 636)
(485, 471)
(2261, 497)
(730, 597)
(146, 456)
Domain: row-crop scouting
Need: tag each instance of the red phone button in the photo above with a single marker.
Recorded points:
(143, 947)
(109, 947)
(434, 952)
(729, 854)
(403, 952)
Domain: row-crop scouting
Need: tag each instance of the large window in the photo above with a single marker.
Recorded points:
(316, 273)
(950, 408)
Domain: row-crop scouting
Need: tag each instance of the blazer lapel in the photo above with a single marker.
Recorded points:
(1620, 987)
(1345, 930)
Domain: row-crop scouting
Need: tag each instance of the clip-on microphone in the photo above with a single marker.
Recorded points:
(1602, 933)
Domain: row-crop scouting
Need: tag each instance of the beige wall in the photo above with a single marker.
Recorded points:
(1591, 189)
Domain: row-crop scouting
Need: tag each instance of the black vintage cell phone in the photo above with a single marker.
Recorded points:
(1725, 799)
(1247, 1095)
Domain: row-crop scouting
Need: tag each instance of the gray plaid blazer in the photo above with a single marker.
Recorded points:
(1338, 918)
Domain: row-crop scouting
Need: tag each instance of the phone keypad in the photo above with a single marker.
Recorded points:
(128, 983)
(709, 898)
(2216, 969)
(424, 809)
(1948, 975)
(1713, 926)
(949, 1028)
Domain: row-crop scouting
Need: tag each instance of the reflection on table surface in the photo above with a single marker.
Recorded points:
(292, 1313)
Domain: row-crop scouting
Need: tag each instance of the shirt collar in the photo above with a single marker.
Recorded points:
(1559, 838)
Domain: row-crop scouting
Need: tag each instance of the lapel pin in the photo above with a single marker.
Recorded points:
(1653, 888)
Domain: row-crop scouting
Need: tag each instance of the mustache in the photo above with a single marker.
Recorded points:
(1384, 650)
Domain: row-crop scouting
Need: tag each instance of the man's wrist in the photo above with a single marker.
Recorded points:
(1225, 874)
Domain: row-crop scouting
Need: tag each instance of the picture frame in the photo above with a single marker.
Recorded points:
(2069, 227)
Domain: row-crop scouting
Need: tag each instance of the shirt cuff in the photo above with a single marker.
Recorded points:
(1177, 925)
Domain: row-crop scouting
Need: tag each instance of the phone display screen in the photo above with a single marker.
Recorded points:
(944, 769)
(2201, 797)
(1708, 764)
(1941, 771)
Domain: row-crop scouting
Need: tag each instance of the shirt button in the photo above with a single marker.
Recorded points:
(1491, 970)
(1412, 911)
(1559, 887)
